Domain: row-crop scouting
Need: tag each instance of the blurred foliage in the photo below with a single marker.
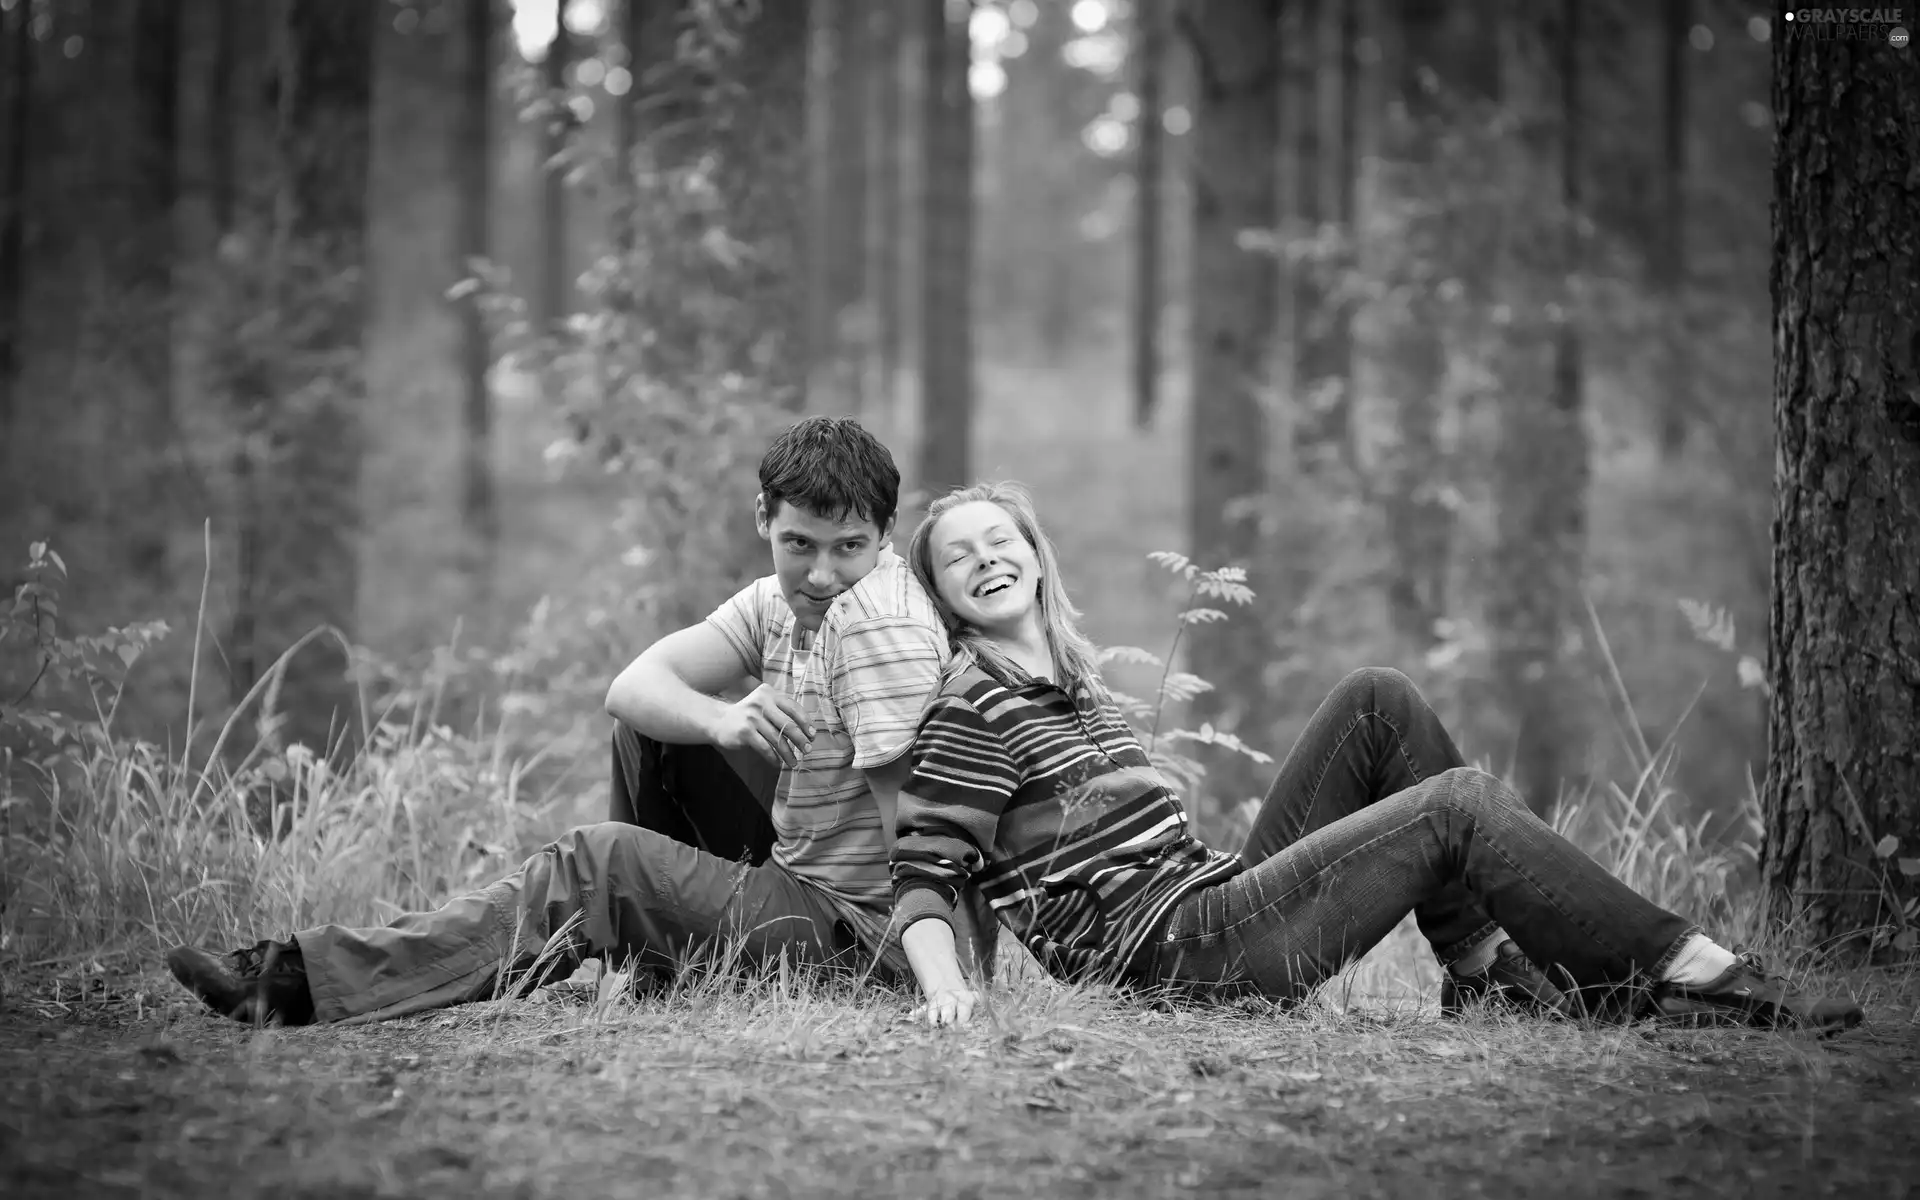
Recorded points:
(670, 375)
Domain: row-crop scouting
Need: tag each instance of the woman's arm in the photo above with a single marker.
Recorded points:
(963, 778)
(930, 951)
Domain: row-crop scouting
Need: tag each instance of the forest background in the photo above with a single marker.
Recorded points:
(455, 330)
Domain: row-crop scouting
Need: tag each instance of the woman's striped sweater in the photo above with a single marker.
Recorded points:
(1049, 803)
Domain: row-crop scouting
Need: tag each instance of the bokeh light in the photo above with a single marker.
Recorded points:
(986, 79)
(1024, 13)
(590, 72)
(1089, 16)
(988, 28)
(586, 17)
(1102, 53)
(619, 81)
(1177, 120)
(1701, 37)
(1106, 136)
(534, 24)
(1760, 29)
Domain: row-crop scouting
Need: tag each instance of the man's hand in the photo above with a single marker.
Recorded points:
(768, 722)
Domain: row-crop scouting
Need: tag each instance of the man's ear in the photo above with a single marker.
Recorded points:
(886, 532)
(762, 519)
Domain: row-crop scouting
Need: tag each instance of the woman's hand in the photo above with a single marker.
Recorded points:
(929, 946)
(948, 1006)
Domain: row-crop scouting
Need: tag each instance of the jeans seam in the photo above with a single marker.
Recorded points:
(1673, 951)
(1455, 806)
(1339, 743)
(1320, 774)
(1453, 953)
(1551, 899)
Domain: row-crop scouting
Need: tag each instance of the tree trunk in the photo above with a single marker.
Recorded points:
(823, 324)
(1235, 311)
(421, 562)
(308, 539)
(626, 122)
(1843, 768)
(147, 275)
(1339, 384)
(1670, 269)
(1150, 49)
(1313, 323)
(765, 183)
(556, 281)
(1541, 465)
(946, 368)
(1419, 524)
(847, 201)
(220, 126)
(13, 190)
(477, 504)
(885, 200)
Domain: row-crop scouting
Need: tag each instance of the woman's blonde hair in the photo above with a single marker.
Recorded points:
(1073, 653)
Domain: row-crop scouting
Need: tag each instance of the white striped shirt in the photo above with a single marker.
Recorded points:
(864, 682)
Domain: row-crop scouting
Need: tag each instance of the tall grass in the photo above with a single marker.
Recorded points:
(126, 849)
(117, 846)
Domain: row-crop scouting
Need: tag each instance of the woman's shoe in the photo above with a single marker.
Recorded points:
(1511, 979)
(1744, 994)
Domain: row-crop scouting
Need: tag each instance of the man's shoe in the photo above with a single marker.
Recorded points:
(1511, 979)
(1745, 994)
(255, 984)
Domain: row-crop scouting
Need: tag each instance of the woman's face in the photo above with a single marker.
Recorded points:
(984, 570)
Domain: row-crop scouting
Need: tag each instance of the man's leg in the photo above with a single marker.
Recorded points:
(612, 891)
(698, 795)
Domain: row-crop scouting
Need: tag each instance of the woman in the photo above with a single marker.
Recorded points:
(1027, 780)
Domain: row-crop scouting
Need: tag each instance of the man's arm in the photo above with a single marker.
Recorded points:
(885, 782)
(670, 692)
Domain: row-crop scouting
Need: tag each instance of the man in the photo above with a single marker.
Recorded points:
(847, 649)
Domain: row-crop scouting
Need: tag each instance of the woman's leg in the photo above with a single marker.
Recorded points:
(1294, 920)
(1372, 737)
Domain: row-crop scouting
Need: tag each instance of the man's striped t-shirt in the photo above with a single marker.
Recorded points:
(1049, 804)
(864, 681)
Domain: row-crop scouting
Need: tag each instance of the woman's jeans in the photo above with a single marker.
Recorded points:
(1373, 816)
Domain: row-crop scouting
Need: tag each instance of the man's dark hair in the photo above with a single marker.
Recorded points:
(831, 467)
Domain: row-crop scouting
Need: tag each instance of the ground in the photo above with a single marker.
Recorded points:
(114, 1083)
(784, 1088)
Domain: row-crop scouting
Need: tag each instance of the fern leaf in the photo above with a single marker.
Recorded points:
(1179, 564)
(1129, 654)
(1207, 735)
(1202, 616)
(1181, 686)
(1226, 589)
(1711, 623)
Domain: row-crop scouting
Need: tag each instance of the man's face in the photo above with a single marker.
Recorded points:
(816, 559)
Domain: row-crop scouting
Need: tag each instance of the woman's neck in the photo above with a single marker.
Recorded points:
(1027, 646)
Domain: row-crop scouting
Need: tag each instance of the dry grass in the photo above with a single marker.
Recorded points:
(782, 1084)
(785, 1085)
